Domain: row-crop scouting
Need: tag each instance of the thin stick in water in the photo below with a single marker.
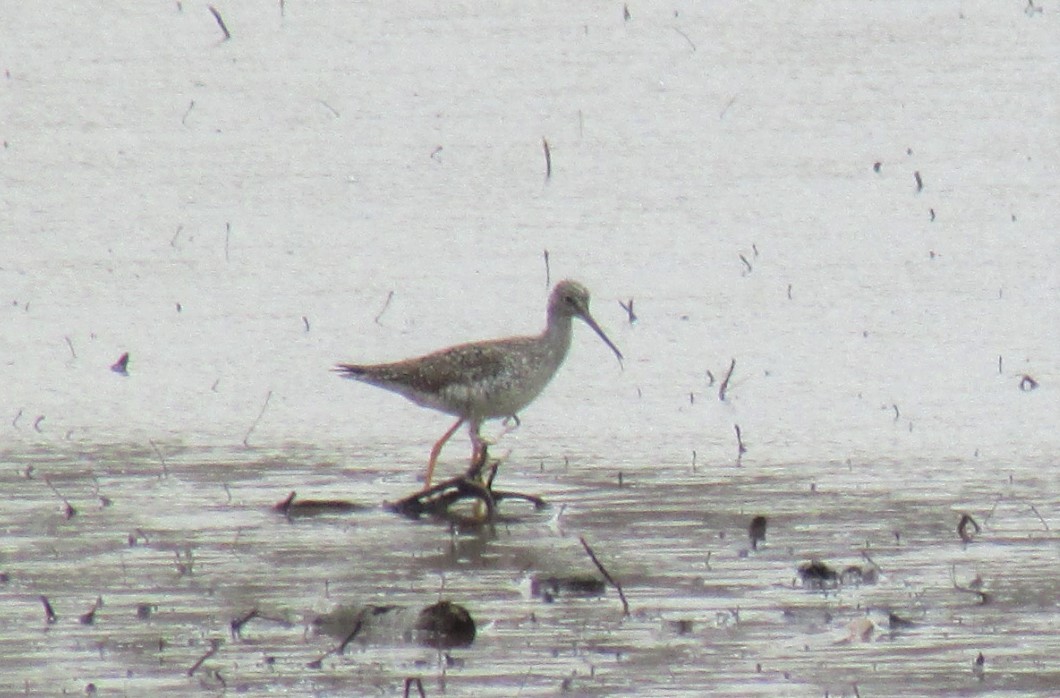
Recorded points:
(725, 383)
(161, 458)
(215, 644)
(386, 304)
(686, 39)
(548, 272)
(261, 414)
(49, 612)
(739, 443)
(607, 575)
(184, 119)
(548, 158)
(68, 511)
(220, 22)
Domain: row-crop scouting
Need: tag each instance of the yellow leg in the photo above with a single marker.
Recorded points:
(438, 449)
(477, 443)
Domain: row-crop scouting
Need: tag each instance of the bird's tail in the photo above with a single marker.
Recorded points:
(349, 370)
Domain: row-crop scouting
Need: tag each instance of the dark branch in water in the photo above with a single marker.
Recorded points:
(628, 307)
(739, 443)
(548, 273)
(984, 598)
(548, 159)
(607, 575)
(475, 484)
(962, 528)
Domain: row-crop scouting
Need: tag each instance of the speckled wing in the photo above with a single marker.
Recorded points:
(452, 380)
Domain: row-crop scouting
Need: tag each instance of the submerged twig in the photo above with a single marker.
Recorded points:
(983, 597)
(161, 458)
(215, 645)
(68, 510)
(548, 159)
(341, 647)
(548, 273)
(607, 575)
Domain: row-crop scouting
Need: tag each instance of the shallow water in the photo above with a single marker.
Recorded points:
(199, 546)
(348, 182)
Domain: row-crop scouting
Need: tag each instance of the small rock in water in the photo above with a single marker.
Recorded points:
(444, 625)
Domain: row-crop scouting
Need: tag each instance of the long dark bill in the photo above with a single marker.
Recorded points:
(596, 328)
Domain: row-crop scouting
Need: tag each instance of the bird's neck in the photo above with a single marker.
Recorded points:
(558, 332)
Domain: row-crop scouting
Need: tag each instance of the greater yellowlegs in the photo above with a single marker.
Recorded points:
(485, 380)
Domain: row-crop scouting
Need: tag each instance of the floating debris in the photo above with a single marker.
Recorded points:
(441, 625)
(89, 617)
(314, 507)
(819, 575)
(121, 366)
(757, 531)
(962, 528)
(1027, 383)
(548, 588)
